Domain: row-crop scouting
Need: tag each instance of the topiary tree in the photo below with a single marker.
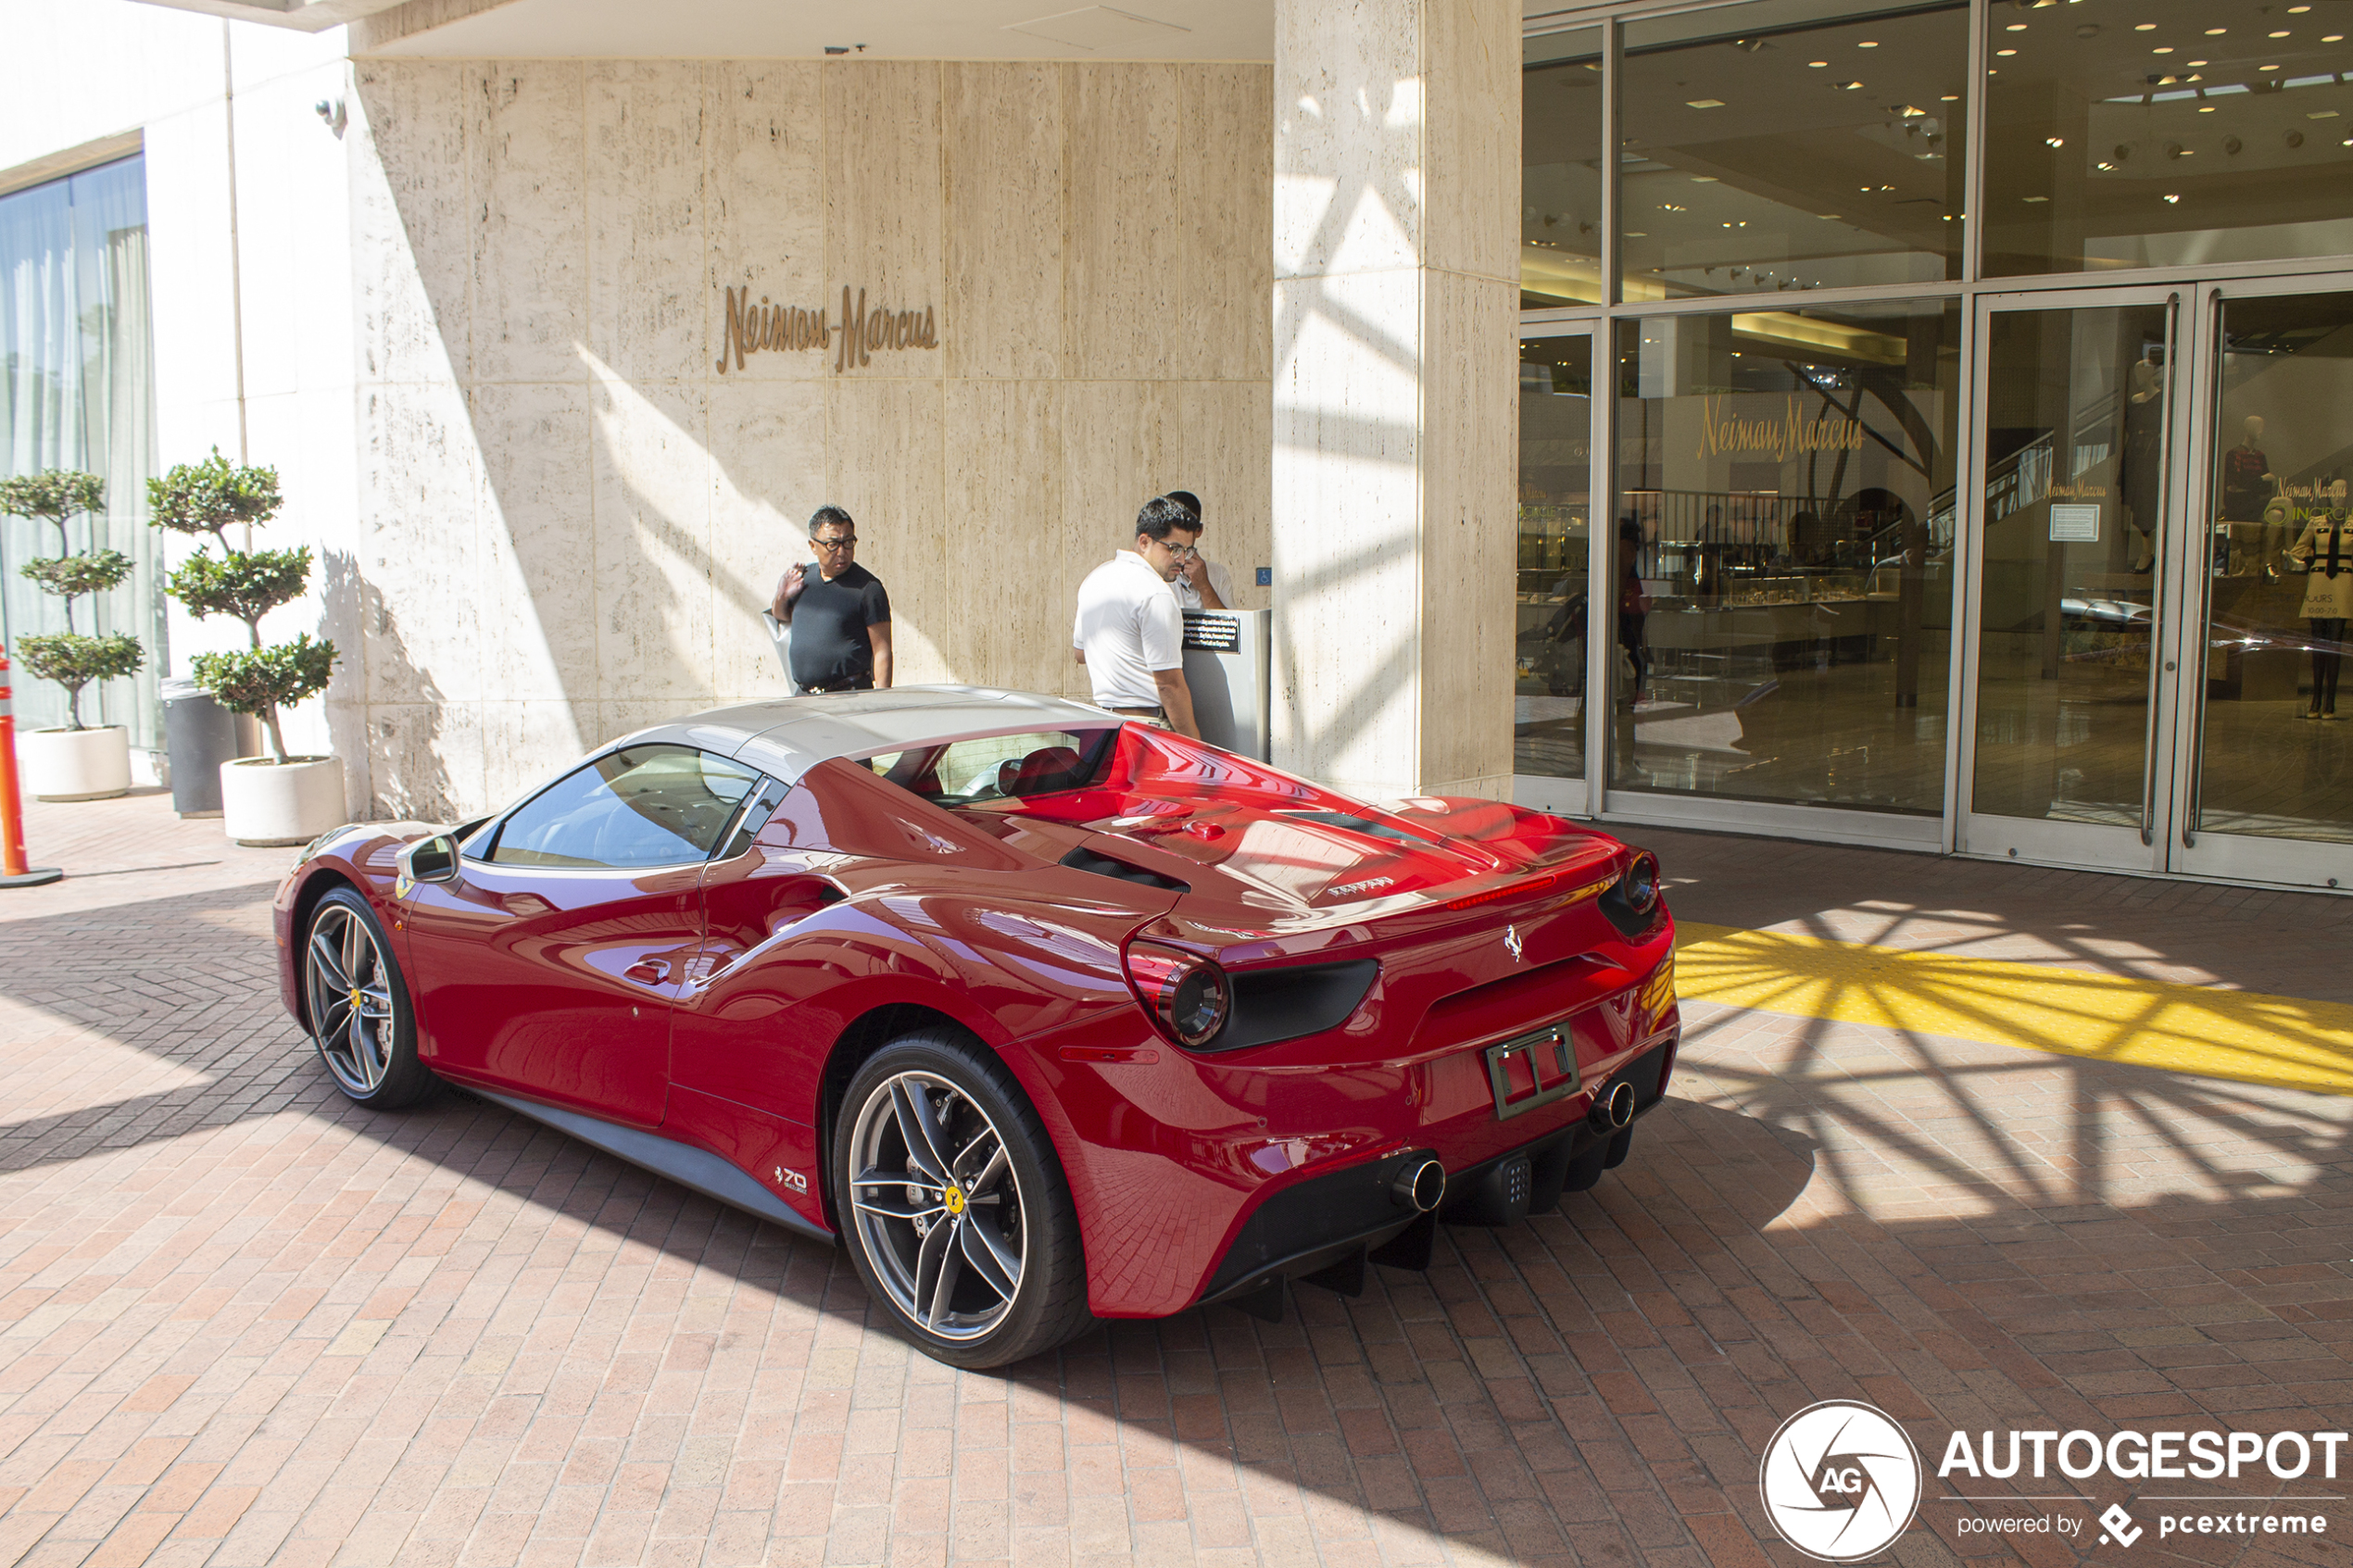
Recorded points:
(73, 659)
(207, 497)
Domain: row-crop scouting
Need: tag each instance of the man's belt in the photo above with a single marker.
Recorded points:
(826, 687)
(1142, 712)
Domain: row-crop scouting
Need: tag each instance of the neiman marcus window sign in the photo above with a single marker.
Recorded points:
(755, 327)
(1738, 427)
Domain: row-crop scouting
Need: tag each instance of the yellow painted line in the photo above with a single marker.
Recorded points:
(2244, 1035)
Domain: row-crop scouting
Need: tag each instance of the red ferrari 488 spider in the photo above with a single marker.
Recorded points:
(1047, 1016)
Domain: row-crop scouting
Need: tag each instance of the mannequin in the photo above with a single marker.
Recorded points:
(2143, 455)
(2326, 546)
(2246, 475)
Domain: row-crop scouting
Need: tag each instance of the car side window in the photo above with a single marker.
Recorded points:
(638, 807)
(757, 811)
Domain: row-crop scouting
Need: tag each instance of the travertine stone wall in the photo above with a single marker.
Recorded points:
(569, 516)
(1396, 303)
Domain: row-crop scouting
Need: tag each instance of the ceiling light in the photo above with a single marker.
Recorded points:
(2334, 38)
(2195, 63)
(2054, 141)
(2267, 67)
(2144, 27)
(2015, 27)
(2297, 10)
(2279, 35)
(1703, 178)
(1950, 98)
(2172, 201)
(2006, 51)
(2322, 114)
(1702, 103)
(1867, 44)
(2163, 50)
(2216, 32)
(2106, 168)
(2206, 109)
(2038, 198)
(1827, 217)
(1816, 65)
(1848, 86)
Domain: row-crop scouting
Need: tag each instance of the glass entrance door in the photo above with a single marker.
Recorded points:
(2162, 575)
(2075, 401)
(2267, 769)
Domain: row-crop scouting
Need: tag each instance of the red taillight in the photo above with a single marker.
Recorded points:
(1187, 997)
(1516, 890)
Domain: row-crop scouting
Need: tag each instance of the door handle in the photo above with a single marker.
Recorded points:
(2160, 537)
(648, 972)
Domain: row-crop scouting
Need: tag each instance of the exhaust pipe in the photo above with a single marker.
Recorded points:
(1613, 1111)
(1420, 1186)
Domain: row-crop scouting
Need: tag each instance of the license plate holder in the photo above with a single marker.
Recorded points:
(1551, 1056)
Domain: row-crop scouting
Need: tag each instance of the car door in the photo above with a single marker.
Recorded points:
(745, 1049)
(552, 963)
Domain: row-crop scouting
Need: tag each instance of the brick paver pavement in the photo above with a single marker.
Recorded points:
(242, 1323)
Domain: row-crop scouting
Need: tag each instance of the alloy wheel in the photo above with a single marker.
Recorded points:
(938, 1205)
(350, 995)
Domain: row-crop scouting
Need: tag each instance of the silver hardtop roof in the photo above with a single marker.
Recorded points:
(787, 736)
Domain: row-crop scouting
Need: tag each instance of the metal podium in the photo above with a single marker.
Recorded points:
(1228, 668)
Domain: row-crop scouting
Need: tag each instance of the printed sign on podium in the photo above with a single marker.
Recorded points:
(1227, 669)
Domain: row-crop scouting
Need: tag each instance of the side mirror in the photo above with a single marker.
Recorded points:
(428, 859)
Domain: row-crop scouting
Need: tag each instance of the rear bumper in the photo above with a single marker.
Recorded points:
(1331, 1218)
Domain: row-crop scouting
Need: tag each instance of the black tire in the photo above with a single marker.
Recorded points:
(933, 1262)
(357, 1003)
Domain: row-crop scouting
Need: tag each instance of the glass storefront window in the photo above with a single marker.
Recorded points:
(77, 391)
(2165, 133)
(1782, 584)
(1555, 479)
(1560, 169)
(2075, 415)
(2279, 573)
(1789, 145)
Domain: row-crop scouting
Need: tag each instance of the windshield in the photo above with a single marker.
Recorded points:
(967, 773)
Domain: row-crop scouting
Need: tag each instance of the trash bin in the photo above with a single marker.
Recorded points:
(198, 736)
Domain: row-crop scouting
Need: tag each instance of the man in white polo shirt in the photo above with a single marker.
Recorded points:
(1129, 633)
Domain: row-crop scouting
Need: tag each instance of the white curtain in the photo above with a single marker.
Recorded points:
(77, 391)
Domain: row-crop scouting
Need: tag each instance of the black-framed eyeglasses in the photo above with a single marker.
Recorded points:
(829, 546)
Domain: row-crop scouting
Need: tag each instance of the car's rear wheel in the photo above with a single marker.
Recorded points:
(358, 1006)
(954, 1206)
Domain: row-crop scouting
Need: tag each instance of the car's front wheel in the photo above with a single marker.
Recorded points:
(358, 1006)
(954, 1206)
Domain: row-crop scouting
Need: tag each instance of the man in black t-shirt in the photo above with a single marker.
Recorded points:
(838, 611)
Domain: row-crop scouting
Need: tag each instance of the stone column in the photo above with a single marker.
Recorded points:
(1397, 152)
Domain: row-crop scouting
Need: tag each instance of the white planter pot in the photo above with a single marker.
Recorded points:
(263, 802)
(75, 764)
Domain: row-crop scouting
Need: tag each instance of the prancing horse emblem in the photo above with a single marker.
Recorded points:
(1512, 940)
